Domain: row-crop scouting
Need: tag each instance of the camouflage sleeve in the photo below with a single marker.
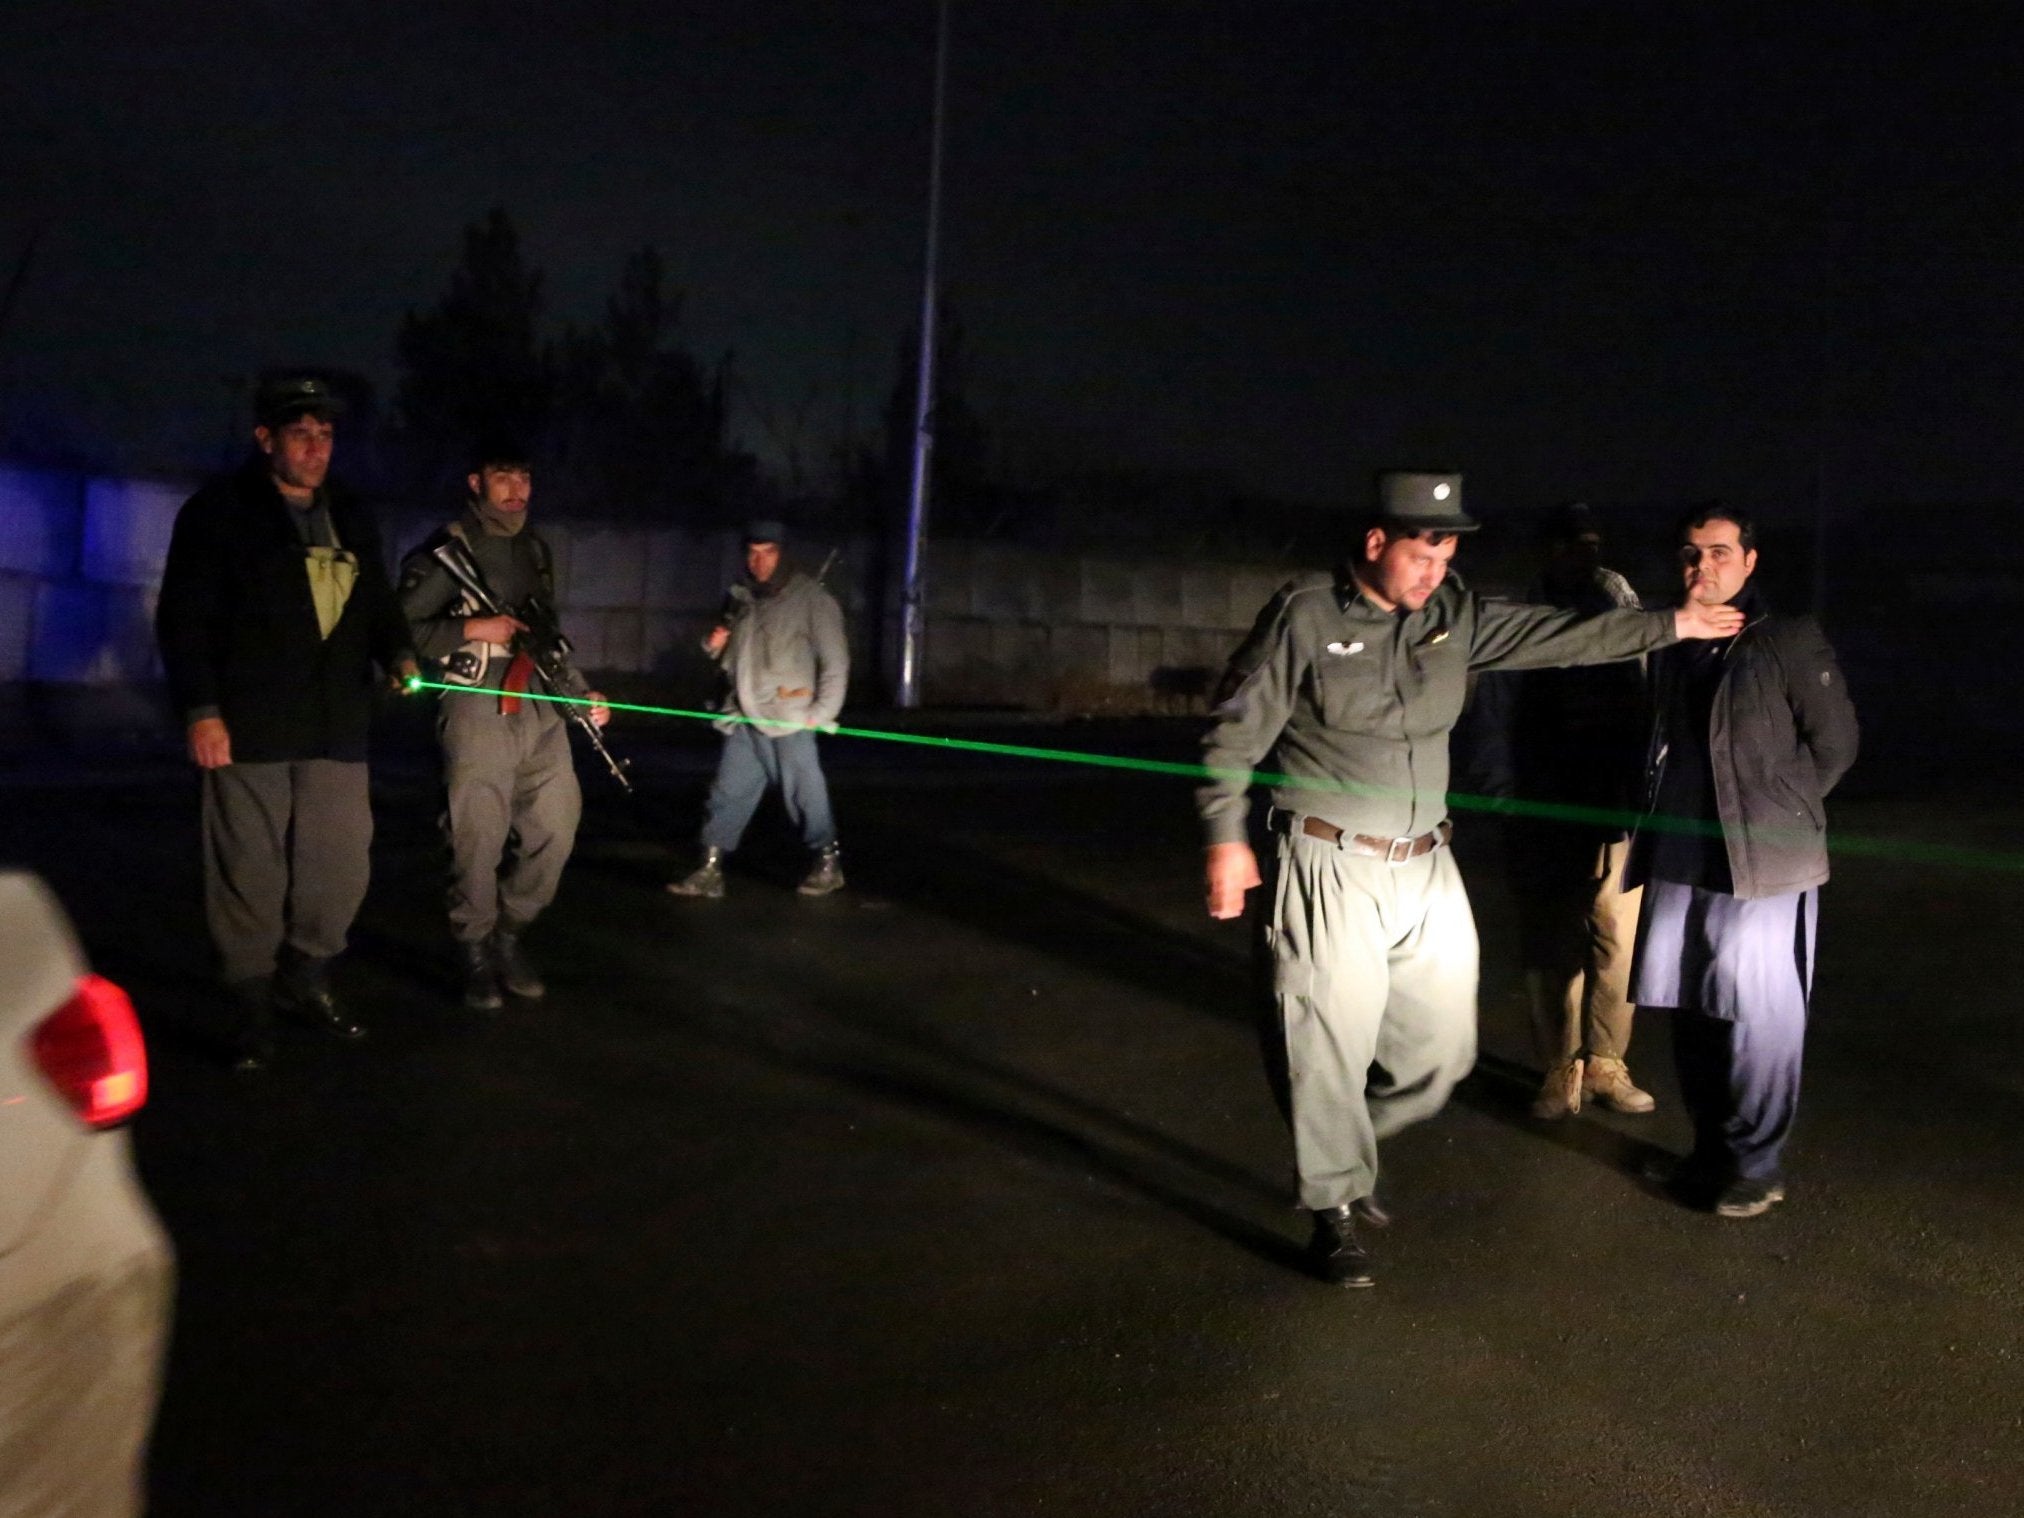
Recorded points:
(432, 604)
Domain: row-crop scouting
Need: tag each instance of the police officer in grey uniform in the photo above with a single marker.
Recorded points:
(512, 803)
(1353, 681)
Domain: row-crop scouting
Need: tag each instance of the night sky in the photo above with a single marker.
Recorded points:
(1639, 252)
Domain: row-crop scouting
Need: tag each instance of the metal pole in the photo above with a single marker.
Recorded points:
(1823, 425)
(913, 591)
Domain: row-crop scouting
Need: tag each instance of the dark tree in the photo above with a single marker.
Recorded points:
(474, 366)
(639, 428)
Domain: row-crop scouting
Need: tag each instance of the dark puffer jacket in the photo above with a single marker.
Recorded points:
(238, 628)
(1781, 735)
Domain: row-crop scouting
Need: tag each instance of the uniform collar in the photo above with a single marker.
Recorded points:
(1352, 602)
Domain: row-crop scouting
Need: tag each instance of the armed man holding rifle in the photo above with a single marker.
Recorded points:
(780, 639)
(506, 760)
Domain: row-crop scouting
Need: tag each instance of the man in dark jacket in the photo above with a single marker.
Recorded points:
(274, 608)
(1749, 736)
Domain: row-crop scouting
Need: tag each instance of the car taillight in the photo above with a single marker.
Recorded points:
(90, 1049)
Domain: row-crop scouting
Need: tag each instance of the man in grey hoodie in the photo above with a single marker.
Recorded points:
(781, 641)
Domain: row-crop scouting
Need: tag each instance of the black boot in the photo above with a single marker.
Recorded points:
(481, 978)
(707, 879)
(250, 1047)
(516, 971)
(825, 875)
(302, 993)
(1334, 1252)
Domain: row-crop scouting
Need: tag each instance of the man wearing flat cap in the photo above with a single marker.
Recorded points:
(1351, 682)
(781, 642)
(275, 609)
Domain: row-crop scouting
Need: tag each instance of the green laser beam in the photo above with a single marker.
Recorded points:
(1851, 844)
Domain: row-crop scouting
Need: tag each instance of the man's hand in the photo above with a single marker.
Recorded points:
(599, 712)
(714, 644)
(1694, 620)
(210, 744)
(403, 672)
(1232, 870)
(499, 630)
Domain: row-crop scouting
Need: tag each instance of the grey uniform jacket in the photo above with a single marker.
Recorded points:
(1780, 737)
(788, 659)
(1358, 701)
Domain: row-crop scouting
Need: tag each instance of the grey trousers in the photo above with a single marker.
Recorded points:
(1374, 981)
(286, 857)
(511, 813)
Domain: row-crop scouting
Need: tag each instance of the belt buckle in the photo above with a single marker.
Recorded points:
(1399, 850)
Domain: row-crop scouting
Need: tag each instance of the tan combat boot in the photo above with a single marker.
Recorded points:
(1560, 1093)
(1608, 1081)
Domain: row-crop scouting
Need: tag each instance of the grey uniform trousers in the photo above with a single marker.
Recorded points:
(287, 850)
(1374, 981)
(510, 781)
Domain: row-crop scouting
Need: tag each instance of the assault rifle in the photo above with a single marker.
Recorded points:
(543, 643)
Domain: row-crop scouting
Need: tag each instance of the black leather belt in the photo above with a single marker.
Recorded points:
(1390, 850)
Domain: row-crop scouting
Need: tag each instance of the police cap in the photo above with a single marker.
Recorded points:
(282, 399)
(1423, 502)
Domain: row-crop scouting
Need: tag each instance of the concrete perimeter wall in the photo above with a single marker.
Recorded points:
(81, 560)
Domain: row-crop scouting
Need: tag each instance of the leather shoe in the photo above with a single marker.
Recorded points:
(705, 881)
(1608, 1081)
(250, 1047)
(1370, 1212)
(825, 875)
(1559, 1091)
(481, 979)
(1747, 1198)
(303, 995)
(1334, 1252)
(516, 970)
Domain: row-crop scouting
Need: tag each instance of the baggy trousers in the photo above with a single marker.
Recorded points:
(287, 850)
(512, 811)
(751, 761)
(1579, 926)
(1740, 974)
(1374, 984)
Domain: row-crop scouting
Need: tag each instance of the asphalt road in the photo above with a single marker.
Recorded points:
(962, 1193)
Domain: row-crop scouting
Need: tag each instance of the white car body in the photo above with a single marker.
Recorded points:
(86, 1272)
